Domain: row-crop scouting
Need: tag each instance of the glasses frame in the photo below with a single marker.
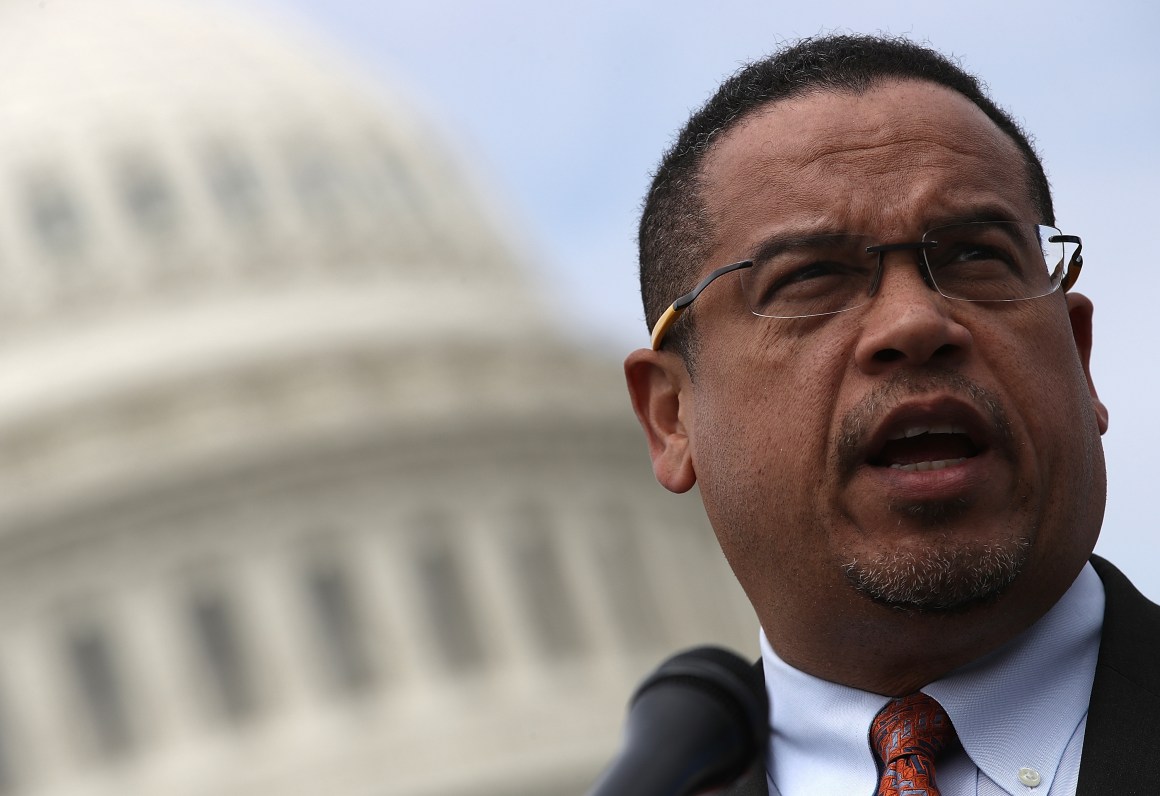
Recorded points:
(674, 311)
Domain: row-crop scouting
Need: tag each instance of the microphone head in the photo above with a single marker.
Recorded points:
(698, 722)
(734, 683)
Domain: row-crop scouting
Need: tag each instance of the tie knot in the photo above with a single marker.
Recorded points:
(911, 725)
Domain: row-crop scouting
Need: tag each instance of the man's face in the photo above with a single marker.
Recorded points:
(790, 427)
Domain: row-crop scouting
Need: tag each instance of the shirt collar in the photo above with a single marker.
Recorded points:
(1039, 684)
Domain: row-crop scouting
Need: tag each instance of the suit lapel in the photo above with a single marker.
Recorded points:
(1119, 749)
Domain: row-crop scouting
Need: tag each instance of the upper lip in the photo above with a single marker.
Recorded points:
(936, 414)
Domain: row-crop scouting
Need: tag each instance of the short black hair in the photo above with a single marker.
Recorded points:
(675, 231)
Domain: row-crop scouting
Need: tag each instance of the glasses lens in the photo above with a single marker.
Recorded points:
(803, 277)
(995, 260)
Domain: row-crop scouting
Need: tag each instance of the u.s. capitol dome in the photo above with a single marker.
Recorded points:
(302, 491)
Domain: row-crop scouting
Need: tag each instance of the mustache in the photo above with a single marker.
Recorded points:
(859, 423)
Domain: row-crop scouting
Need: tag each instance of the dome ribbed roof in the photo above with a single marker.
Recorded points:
(158, 148)
(194, 202)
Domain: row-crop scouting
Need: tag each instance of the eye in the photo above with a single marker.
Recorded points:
(974, 260)
(787, 280)
(979, 250)
(813, 271)
(974, 252)
(804, 286)
(979, 253)
(814, 275)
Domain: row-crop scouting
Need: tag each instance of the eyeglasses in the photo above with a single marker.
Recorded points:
(808, 276)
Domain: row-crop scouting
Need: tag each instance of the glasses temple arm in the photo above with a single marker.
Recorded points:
(669, 316)
(663, 323)
(1075, 265)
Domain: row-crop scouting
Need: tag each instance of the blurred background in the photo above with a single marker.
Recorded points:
(317, 474)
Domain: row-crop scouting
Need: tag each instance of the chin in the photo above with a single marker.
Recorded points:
(940, 576)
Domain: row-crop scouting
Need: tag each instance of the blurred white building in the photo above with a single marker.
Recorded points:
(301, 489)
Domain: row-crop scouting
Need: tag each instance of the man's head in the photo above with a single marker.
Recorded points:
(919, 467)
(674, 228)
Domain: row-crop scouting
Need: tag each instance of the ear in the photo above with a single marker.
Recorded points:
(1079, 310)
(661, 395)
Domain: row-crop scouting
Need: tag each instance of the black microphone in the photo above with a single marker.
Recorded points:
(697, 723)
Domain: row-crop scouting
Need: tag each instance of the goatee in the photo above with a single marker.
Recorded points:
(943, 578)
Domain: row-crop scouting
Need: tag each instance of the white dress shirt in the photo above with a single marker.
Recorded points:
(1020, 714)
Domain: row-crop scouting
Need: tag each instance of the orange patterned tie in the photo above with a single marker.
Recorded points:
(909, 734)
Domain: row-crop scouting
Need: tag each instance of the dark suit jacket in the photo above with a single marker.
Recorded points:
(1121, 748)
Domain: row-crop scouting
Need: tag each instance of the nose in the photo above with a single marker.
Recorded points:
(908, 322)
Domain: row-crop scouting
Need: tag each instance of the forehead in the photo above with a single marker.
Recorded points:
(891, 161)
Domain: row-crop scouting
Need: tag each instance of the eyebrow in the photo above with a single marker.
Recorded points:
(778, 244)
(781, 242)
(979, 214)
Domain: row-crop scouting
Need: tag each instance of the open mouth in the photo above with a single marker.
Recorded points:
(919, 447)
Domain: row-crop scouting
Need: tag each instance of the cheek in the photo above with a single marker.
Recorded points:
(1064, 453)
(764, 435)
(1049, 386)
(773, 403)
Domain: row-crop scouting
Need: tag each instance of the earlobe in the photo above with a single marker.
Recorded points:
(1079, 310)
(658, 384)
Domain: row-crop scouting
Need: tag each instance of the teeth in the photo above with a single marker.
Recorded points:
(914, 431)
(922, 467)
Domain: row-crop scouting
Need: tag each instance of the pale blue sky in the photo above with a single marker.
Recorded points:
(564, 109)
